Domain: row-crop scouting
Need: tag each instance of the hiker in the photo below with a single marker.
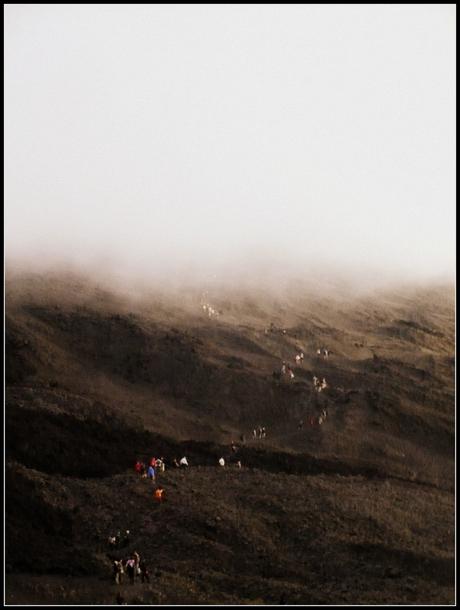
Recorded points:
(118, 572)
(283, 369)
(318, 352)
(315, 381)
(326, 354)
(324, 413)
(137, 559)
(254, 433)
(291, 373)
(126, 537)
(238, 464)
(324, 384)
(221, 461)
(153, 462)
(143, 471)
(159, 491)
(130, 569)
(176, 463)
(138, 467)
(151, 473)
(183, 462)
(144, 571)
(234, 447)
(112, 540)
(301, 356)
(263, 432)
(297, 359)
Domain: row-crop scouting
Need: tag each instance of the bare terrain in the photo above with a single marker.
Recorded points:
(359, 509)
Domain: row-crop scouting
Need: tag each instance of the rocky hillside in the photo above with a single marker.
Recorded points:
(356, 509)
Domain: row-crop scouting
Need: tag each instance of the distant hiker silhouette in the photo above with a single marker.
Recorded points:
(137, 559)
(131, 569)
(118, 572)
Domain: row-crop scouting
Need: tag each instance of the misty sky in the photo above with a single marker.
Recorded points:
(163, 134)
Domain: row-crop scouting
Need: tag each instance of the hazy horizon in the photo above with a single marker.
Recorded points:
(166, 139)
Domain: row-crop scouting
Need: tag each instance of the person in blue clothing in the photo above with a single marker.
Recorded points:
(151, 473)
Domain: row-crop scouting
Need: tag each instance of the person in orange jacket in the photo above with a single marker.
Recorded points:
(159, 494)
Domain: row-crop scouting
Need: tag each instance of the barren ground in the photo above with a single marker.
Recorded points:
(357, 510)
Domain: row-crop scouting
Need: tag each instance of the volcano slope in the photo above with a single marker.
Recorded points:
(359, 509)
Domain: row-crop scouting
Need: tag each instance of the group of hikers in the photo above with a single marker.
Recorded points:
(259, 432)
(210, 311)
(314, 419)
(221, 462)
(274, 329)
(299, 358)
(319, 385)
(120, 540)
(286, 369)
(133, 566)
(156, 466)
